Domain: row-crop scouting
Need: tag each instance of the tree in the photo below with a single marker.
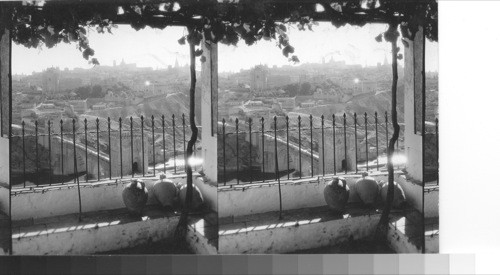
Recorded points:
(83, 92)
(305, 88)
(391, 36)
(97, 92)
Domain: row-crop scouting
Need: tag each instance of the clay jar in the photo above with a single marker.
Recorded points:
(197, 197)
(165, 192)
(135, 196)
(367, 189)
(399, 195)
(336, 194)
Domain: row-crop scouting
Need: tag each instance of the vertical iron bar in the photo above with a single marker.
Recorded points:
(345, 143)
(300, 150)
(62, 153)
(86, 151)
(311, 145)
(263, 159)
(153, 135)
(175, 149)
(334, 146)
(24, 156)
(323, 142)
(366, 140)
(276, 170)
(237, 153)
(387, 136)
(144, 165)
(401, 136)
(121, 149)
(36, 153)
(75, 172)
(163, 136)
(356, 141)
(194, 154)
(398, 150)
(287, 149)
(250, 138)
(224, 149)
(132, 145)
(276, 167)
(184, 139)
(376, 137)
(109, 144)
(437, 149)
(98, 151)
(50, 155)
(397, 144)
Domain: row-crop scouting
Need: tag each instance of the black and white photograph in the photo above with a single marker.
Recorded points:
(220, 130)
(335, 149)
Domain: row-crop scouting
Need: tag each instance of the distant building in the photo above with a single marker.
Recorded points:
(79, 106)
(116, 97)
(99, 106)
(259, 78)
(287, 103)
(255, 103)
(308, 104)
(50, 81)
(69, 83)
(126, 66)
(278, 80)
(46, 106)
(48, 111)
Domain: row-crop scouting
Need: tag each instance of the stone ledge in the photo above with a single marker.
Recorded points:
(97, 232)
(297, 181)
(405, 233)
(58, 200)
(202, 235)
(297, 230)
(105, 182)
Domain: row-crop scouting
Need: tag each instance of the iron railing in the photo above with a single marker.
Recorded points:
(101, 144)
(324, 145)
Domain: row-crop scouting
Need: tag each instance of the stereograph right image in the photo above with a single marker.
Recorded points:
(328, 138)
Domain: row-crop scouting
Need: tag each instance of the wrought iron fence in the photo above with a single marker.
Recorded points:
(250, 151)
(45, 153)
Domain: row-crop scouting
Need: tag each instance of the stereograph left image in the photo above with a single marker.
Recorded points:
(106, 150)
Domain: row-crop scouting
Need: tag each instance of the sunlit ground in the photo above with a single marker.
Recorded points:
(179, 163)
(398, 160)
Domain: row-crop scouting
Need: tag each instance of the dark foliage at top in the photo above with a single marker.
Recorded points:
(228, 22)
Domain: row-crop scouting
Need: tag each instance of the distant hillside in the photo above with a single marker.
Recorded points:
(172, 104)
(369, 102)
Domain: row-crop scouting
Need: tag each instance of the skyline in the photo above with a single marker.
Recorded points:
(159, 49)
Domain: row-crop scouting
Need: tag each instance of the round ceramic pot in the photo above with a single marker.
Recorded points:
(399, 195)
(197, 197)
(135, 196)
(336, 194)
(367, 190)
(165, 192)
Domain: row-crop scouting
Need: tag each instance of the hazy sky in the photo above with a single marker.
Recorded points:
(159, 48)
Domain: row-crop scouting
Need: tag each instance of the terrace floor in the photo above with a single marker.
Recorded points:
(327, 232)
(109, 232)
(201, 224)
